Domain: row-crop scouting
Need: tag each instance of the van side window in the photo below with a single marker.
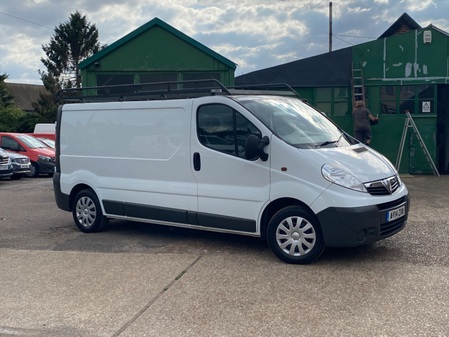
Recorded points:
(7, 143)
(223, 129)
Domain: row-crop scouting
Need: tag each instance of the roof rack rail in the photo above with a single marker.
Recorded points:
(142, 91)
(166, 90)
(282, 89)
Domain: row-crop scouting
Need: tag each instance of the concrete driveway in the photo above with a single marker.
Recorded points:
(145, 280)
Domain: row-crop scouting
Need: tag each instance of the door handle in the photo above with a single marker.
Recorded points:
(196, 161)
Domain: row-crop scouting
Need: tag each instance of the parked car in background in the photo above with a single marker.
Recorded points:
(21, 165)
(49, 142)
(41, 156)
(5, 164)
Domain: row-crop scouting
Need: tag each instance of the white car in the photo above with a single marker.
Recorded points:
(21, 165)
(5, 164)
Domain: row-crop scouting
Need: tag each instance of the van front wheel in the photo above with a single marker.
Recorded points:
(294, 235)
(87, 212)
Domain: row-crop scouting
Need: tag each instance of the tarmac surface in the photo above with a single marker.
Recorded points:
(146, 280)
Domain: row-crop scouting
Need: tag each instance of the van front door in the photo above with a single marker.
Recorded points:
(231, 189)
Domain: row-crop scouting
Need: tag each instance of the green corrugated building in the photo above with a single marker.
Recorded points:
(155, 52)
(407, 68)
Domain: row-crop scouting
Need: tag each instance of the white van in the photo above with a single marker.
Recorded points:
(45, 128)
(229, 161)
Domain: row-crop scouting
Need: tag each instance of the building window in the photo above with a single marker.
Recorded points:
(333, 101)
(157, 78)
(199, 76)
(341, 101)
(412, 98)
(111, 80)
(388, 99)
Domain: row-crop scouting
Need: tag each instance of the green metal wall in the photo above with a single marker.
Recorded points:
(404, 60)
(157, 51)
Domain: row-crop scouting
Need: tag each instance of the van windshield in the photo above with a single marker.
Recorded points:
(31, 142)
(295, 122)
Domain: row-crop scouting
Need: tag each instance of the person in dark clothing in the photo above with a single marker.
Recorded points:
(361, 117)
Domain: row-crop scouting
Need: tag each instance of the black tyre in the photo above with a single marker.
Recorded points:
(87, 212)
(294, 235)
(34, 171)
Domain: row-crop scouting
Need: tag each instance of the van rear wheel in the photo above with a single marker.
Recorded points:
(87, 212)
(294, 235)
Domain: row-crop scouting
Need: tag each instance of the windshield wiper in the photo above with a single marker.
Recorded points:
(328, 142)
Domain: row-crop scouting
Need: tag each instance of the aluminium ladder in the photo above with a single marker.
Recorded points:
(358, 88)
(409, 122)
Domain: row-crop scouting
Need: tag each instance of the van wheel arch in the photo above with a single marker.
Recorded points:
(274, 207)
(75, 191)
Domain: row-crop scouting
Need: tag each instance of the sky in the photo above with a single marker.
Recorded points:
(254, 34)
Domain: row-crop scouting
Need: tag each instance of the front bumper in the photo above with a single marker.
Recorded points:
(20, 169)
(5, 170)
(45, 166)
(350, 227)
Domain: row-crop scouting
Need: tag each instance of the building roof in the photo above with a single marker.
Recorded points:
(330, 69)
(402, 25)
(149, 25)
(25, 94)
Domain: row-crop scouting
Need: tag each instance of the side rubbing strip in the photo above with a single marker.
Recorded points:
(224, 222)
(179, 216)
(113, 207)
(156, 213)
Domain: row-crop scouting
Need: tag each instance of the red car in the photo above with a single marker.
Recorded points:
(41, 156)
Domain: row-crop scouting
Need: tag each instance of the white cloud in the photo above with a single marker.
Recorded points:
(255, 34)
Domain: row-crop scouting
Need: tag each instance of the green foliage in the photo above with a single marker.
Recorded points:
(72, 42)
(9, 118)
(27, 122)
(46, 108)
(6, 99)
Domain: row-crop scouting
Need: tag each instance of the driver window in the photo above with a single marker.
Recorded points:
(8, 143)
(223, 129)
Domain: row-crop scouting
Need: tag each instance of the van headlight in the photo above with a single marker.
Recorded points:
(342, 176)
(44, 158)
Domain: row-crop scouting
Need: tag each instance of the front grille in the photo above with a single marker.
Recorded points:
(4, 160)
(383, 187)
(389, 228)
(391, 204)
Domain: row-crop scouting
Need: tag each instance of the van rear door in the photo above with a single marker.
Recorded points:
(231, 189)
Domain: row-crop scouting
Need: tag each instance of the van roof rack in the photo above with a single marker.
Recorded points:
(281, 89)
(165, 91)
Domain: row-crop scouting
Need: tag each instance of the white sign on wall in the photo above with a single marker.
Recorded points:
(425, 106)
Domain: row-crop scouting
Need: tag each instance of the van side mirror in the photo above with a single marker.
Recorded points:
(254, 147)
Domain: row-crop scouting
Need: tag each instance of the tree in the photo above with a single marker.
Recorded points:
(72, 42)
(6, 99)
(10, 118)
(9, 114)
